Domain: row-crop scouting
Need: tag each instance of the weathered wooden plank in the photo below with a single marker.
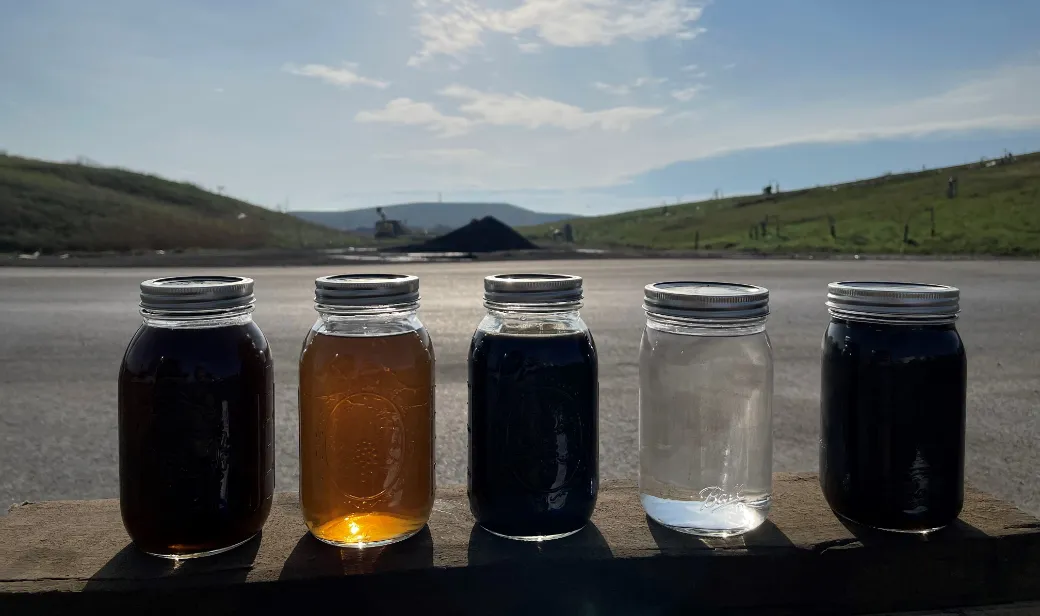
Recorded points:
(802, 560)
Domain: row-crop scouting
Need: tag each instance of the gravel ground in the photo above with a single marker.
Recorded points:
(63, 332)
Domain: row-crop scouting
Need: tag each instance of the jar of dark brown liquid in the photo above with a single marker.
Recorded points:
(196, 419)
(893, 405)
(366, 412)
(533, 470)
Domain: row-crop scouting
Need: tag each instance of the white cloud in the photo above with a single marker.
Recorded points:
(689, 35)
(648, 81)
(345, 77)
(494, 109)
(529, 47)
(619, 90)
(687, 94)
(439, 156)
(407, 112)
(627, 88)
(586, 160)
(452, 27)
(536, 112)
(693, 71)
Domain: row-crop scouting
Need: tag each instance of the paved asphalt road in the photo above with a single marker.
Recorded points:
(63, 332)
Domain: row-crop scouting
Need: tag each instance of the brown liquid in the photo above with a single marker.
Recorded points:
(196, 438)
(366, 436)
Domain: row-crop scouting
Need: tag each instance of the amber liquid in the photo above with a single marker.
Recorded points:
(196, 438)
(366, 436)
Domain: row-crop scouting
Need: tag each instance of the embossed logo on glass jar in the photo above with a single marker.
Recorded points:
(366, 433)
(543, 438)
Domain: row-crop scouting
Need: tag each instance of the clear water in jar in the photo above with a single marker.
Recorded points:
(705, 430)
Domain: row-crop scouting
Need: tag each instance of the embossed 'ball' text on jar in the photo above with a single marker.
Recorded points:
(366, 412)
(892, 405)
(196, 419)
(533, 409)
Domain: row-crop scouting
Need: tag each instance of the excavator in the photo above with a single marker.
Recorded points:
(387, 228)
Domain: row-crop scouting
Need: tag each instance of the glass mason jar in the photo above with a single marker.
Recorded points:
(533, 469)
(892, 405)
(196, 419)
(705, 407)
(366, 412)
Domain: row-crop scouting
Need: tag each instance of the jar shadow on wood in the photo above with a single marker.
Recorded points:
(955, 531)
(311, 559)
(129, 567)
(585, 545)
(765, 538)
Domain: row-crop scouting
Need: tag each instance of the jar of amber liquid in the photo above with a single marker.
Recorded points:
(196, 419)
(366, 412)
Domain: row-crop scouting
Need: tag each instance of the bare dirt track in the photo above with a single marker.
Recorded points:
(63, 333)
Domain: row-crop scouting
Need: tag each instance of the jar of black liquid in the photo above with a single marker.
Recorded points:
(533, 409)
(892, 405)
(196, 419)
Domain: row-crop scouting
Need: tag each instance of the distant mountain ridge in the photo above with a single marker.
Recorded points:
(431, 215)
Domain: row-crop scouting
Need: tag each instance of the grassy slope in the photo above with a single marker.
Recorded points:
(57, 207)
(996, 212)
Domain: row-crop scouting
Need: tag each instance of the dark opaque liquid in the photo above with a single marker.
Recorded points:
(196, 437)
(533, 433)
(892, 424)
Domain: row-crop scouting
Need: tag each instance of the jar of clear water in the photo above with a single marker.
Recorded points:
(705, 407)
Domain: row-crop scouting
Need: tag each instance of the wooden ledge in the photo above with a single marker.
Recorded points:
(75, 555)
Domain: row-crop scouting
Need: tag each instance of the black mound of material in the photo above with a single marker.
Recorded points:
(485, 235)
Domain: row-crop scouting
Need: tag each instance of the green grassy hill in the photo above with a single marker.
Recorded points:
(69, 207)
(996, 211)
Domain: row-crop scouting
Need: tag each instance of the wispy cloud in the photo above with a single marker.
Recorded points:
(591, 149)
(537, 112)
(511, 110)
(694, 71)
(406, 112)
(686, 95)
(439, 156)
(627, 88)
(689, 35)
(619, 90)
(452, 27)
(344, 76)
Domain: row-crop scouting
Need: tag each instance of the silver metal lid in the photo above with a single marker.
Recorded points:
(366, 289)
(907, 300)
(196, 293)
(532, 289)
(706, 300)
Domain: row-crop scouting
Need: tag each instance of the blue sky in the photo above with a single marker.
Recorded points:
(585, 106)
